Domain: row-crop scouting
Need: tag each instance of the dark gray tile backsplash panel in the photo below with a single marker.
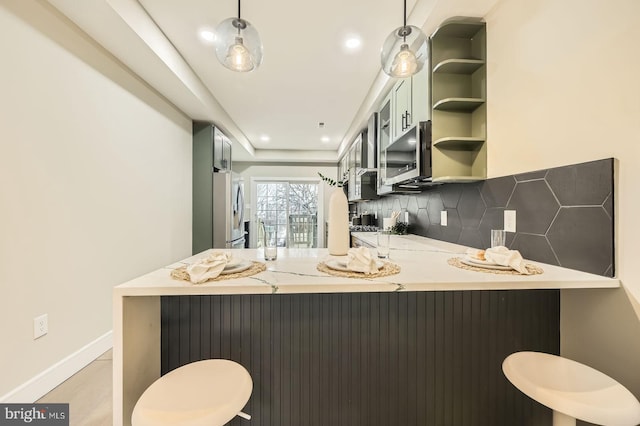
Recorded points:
(535, 206)
(589, 184)
(496, 192)
(582, 238)
(564, 215)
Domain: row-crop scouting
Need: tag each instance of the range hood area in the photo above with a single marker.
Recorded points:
(403, 166)
(407, 164)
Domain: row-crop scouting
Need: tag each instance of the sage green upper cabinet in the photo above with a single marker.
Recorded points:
(458, 91)
(362, 178)
(403, 112)
(221, 151)
(420, 98)
(355, 180)
(384, 140)
(343, 167)
(352, 173)
(410, 102)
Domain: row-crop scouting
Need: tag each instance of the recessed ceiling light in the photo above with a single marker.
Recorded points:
(352, 42)
(207, 35)
(265, 138)
(325, 139)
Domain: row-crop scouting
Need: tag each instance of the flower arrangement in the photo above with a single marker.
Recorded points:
(400, 228)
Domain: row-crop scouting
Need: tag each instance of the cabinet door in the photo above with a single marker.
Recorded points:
(343, 166)
(221, 151)
(420, 96)
(352, 174)
(226, 153)
(402, 107)
(384, 139)
(218, 143)
(357, 152)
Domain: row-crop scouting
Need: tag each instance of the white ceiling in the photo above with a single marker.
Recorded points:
(307, 75)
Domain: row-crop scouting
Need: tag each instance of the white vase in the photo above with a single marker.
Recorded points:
(338, 234)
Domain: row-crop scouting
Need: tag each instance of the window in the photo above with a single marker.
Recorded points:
(292, 207)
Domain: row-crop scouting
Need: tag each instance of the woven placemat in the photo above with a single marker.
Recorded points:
(256, 267)
(388, 268)
(533, 269)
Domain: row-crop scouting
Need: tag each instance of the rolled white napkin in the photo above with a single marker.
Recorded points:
(505, 257)
(207, 268)
(360, 260)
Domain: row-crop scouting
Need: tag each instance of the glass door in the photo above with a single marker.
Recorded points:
(292, 208)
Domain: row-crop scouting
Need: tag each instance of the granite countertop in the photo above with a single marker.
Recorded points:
(423, 263)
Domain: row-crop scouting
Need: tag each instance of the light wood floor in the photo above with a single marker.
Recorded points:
(89, 394)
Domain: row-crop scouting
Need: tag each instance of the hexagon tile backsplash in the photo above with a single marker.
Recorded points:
(564, 215)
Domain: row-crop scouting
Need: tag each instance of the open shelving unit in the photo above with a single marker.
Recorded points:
(458, 98)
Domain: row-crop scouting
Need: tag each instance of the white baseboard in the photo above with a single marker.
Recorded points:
(38, 386)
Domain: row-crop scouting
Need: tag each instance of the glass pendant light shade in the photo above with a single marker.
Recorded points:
(404, 52)
(238, 45)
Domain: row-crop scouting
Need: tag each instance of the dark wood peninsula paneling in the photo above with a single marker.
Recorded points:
(370, 359)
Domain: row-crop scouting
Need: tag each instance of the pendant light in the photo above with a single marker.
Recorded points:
(238, 45)
(404, 52)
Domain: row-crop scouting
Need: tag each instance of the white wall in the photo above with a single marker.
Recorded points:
(95, 186)
(564, 88)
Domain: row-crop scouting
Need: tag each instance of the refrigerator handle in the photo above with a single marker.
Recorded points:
(241, 206)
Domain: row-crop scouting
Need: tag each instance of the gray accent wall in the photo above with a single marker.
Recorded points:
(564, 214)
(370, 359)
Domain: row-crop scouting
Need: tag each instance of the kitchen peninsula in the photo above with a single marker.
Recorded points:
(402, 349)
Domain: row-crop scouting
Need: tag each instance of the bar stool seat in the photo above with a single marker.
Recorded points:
(572, 390)
(209, 392)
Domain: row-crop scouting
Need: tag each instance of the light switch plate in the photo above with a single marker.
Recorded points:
(443, 218)
(510, 220)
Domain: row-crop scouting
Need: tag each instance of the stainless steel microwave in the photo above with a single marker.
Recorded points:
(408, 158)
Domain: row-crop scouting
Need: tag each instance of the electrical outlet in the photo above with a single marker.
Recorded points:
(510, 220)
(40, 326)
(443, 218)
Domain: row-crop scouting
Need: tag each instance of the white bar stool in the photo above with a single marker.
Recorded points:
(572, 390)
(209, 392)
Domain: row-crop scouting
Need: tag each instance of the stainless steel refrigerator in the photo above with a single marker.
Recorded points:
(218, 209)
(228, 210)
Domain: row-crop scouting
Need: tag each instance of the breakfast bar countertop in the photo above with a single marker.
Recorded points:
(423, 264)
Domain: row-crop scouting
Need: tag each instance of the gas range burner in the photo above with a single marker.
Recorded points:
(363, 228)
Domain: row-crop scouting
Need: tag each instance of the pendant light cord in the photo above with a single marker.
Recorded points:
(404, 29)
(405, 12)
(405, 5)
(239, 19)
